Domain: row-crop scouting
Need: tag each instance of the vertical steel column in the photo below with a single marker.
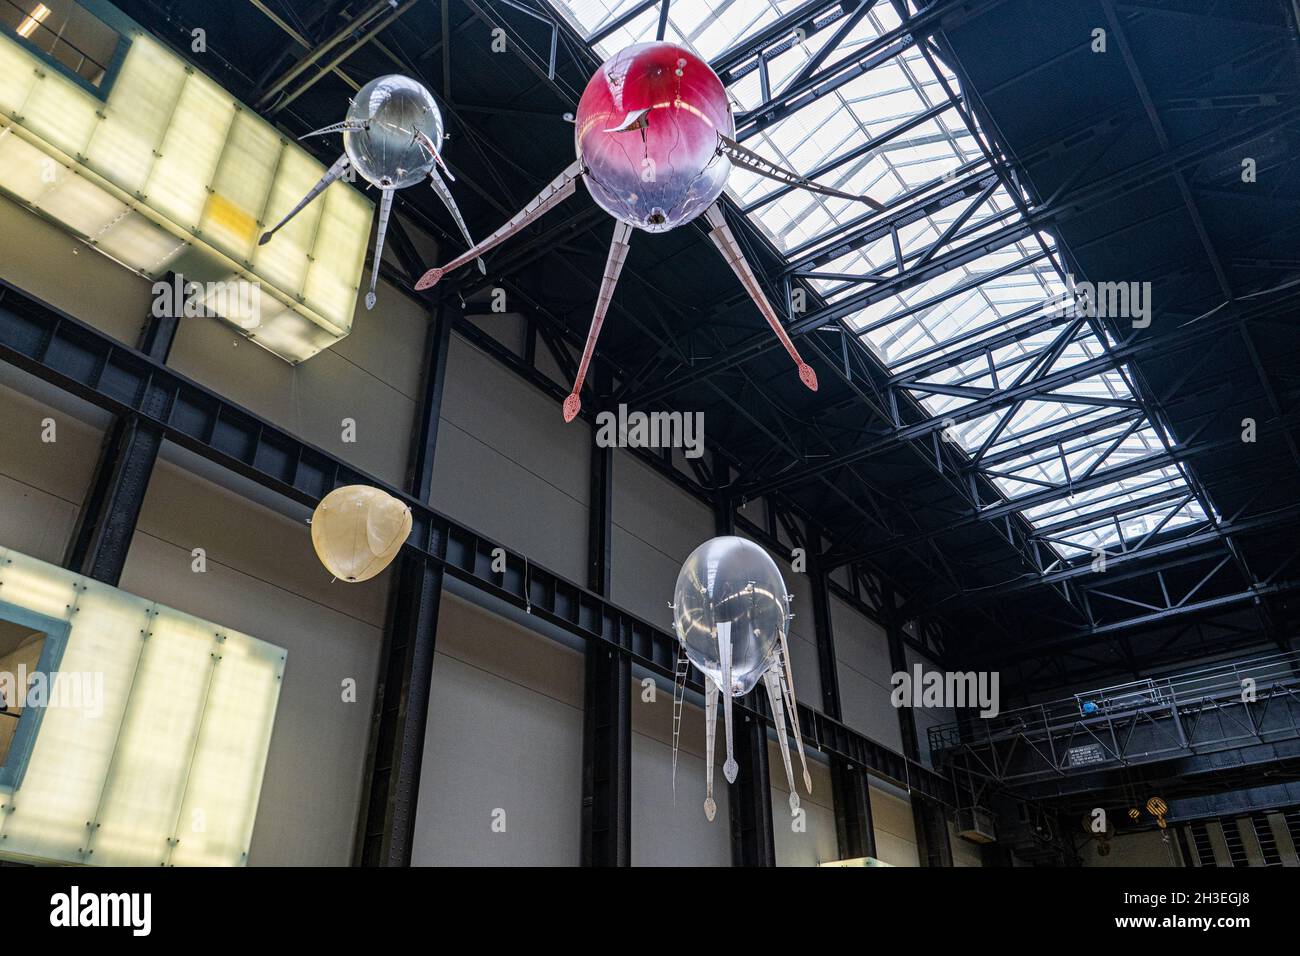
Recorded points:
(392, 782)
(928, 819)
(102, 536)
(850, 785)
(750, 796)
(607, 705)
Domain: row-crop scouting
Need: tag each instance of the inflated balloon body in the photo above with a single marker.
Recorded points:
(390, 124)
(392, 138)
(730, 612)
(671, 170)
(358, 530)
(655, 139)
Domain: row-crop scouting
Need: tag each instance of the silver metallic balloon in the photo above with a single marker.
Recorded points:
(391, 121)
(730, 580)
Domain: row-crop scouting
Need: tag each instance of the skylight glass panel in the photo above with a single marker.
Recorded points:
(990, 321)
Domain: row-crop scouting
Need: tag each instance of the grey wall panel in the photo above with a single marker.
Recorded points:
(668, 829)
(810, 839)
(862, 653)
(927, 717)
(656, 526)
(508, 465)
(475, 483)
(860, 643)
(263, 578)
(891, 817)
(504, 736)
(311, 400)
(867, 708)
(40, 258)
(42, 484)
(486, 400)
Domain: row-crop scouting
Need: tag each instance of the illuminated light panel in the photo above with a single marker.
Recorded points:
(170, 172)
(169, 771)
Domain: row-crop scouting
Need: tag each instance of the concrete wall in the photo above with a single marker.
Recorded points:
(895, 830)
(862, 653)
(502, 776)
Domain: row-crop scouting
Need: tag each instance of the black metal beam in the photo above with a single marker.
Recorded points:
(102, 535)
(607, 702)
(928, 819)
(88, 363)
(391, 786)
(850, 787)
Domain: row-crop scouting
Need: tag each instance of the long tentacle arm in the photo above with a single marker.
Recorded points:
(772, 678)
(556, 191)
(755, 163)
(347, 126)
(794, 711)
(613, 266)
(725, 240)
(710, 736)
(385, 210)
(444, 194)
(334, 172)
(729, 766)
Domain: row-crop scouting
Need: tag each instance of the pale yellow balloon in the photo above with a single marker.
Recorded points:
(358, 530)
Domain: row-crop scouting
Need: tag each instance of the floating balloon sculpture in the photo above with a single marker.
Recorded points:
(358, 530)
(392, 138)
(730, 612)
(654, 137)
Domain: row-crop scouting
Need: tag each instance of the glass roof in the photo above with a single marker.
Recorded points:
(993, 320)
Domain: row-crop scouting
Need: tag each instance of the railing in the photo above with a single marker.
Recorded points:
(1208, 684)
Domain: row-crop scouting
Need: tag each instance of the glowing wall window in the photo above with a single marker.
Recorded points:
(152, 744)
(162, 170)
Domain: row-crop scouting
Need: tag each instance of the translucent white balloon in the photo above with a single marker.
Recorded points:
(733, 581)
(358, 530)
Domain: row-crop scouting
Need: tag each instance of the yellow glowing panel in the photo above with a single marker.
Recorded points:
(178, 185)
(142, 793)
(136, 116)
(284, 260)
(162, 747)
(339, 255)
(216, 820)
(231, 221)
